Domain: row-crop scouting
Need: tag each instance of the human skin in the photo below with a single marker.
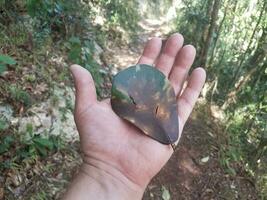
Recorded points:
(118, 159)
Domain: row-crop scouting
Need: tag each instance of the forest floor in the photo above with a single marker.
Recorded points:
(193, 172)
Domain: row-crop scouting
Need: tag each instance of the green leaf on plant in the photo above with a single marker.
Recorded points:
(75, 40)
(6, 143)
(7, 60)
(42, 151)
(3, 125)
(44, 142)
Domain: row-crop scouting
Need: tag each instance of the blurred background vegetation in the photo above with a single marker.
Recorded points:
(39, 39)
(231, 41)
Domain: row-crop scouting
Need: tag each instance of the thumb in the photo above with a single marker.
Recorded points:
(84, 86)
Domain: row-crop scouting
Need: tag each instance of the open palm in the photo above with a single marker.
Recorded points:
(112, 144)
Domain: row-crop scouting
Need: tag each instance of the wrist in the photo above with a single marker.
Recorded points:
(113, 182)
(98, 180)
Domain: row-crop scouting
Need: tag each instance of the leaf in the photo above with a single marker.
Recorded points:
(7, 60)
(205, 159)
(32, 7)
(6, 143)
(74, 54)
(165, 193)
(43, 142)
(3, 125)
(41, 88)
(143, 95)
(75, 40)
(41, 150)
(3, 148)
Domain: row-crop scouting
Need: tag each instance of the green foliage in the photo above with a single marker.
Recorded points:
(54, 17)
(156, 8)
(14, 35)
(6, 144)
(27, 145)
(120, 20)
(7, 60)
(36, 146)
(41, 146)
(3, 124)
(17, 94)
(117, 11)
(4, 61)
(236, 64)
(82, 53)
(35, 31)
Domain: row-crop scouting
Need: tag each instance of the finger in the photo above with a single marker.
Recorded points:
(189, 96)
(183, 62)
(167, 57)
(84, 86)
(151, 51)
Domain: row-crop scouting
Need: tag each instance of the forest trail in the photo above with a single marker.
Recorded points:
(123, 56)
(194, 171)
(222, 153)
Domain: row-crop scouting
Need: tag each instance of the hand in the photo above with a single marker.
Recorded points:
(116, 150)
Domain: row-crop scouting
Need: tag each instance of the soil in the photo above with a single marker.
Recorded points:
(187, 178)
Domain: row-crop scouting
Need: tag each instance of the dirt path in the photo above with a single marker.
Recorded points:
(122, 56)
(194, 172)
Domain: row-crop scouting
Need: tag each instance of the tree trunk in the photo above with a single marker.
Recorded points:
(200, 27)
(214, 16)
(205, 27)
(218, 35)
